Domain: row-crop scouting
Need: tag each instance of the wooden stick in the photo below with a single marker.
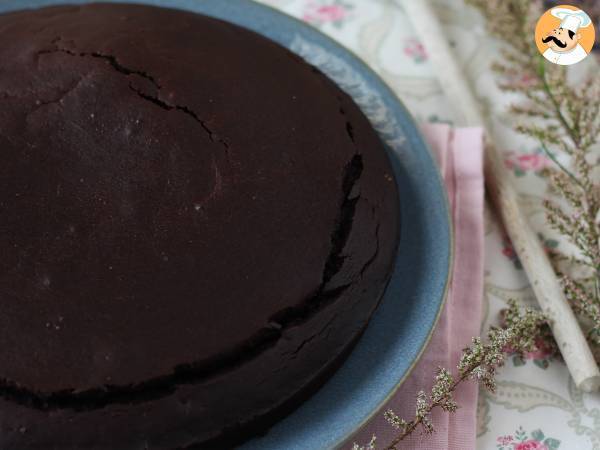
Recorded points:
(547, 289)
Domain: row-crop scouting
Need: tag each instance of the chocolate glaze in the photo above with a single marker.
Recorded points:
(196, 225)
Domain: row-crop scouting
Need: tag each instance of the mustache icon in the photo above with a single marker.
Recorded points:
(556, 41)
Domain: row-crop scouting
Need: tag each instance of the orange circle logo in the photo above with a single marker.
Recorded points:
(565, 35)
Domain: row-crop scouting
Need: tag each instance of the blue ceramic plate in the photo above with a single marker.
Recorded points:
(405, 319)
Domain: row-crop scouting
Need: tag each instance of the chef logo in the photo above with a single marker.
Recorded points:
(564, 35)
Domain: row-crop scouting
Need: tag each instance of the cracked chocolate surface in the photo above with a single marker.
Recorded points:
(192, 219)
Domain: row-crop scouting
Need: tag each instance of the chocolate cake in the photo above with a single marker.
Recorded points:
(196, 225)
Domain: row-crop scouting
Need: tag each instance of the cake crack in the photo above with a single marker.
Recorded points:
(58, 99)
(120, 68)
(341, 232)
(327, 327)
(375, 253)
(112, 60)
(349, 127)
(184, 109)
(335, 258)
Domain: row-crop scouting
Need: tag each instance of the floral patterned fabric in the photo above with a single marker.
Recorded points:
(536, 406)
(521, 440)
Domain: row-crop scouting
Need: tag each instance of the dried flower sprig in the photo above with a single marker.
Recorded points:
(369, 446)
(583, 305)
(565, 119)
(478, 362)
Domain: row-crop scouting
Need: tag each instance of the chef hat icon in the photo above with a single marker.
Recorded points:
(571, 19)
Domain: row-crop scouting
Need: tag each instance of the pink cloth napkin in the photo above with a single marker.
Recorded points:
(459, 155)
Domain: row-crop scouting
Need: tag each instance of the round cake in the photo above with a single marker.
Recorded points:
(196, 227)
